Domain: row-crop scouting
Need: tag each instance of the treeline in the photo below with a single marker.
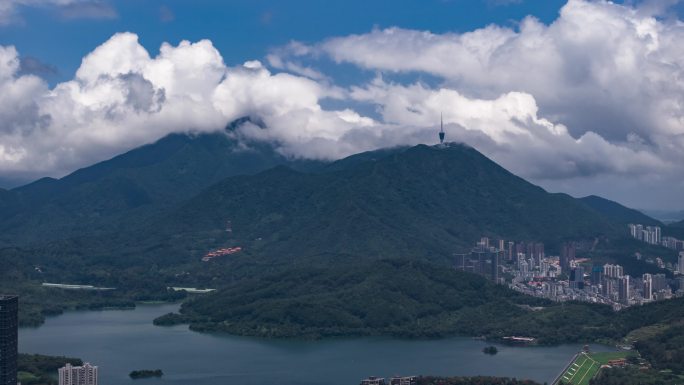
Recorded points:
(635, 376)
(480, 380)
(145, 373)
(21, 275)
(665, 349)
(38, 369)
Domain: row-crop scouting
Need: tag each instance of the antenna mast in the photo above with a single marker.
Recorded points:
(441, 129)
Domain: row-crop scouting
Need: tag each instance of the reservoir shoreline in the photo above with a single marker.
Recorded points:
(120, 341)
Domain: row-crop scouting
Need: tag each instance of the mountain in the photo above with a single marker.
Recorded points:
(321, 248)
(418, 202)
(675, 229)
(397, 297)
(8, 202)
(665, 216)
(617, 212)
(109, 195)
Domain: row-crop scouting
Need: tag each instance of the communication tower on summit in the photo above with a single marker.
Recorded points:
(441, 129)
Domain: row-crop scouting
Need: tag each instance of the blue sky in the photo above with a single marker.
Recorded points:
(248, 29)
(578, 96)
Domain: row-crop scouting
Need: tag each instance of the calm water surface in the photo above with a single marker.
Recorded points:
(119, 341)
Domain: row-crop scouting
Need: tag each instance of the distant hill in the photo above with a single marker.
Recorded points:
(415, 202)
(142, 182)
(665, 216)
(675, 230)
(617, 212)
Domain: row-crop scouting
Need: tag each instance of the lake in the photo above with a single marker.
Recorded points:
(119, 341)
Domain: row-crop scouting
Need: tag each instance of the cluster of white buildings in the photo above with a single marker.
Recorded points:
(673, 243)
(653, 236)
(648, 234)
(78, 375)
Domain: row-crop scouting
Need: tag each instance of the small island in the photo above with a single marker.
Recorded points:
(491, 350)
(137, 374)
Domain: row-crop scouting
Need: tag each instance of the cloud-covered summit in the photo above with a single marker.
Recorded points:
(121, 97)
(594, 96)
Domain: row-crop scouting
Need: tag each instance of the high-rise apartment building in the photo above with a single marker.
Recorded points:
(649, 234)
(567, 255)
(659, 282)
(607, 286)
(596, 275)
(648, 286)
(9, 307)
(539, 253)
(577, 278)
(613, 271)
(78, 375)
(681, 263)
(624, 290)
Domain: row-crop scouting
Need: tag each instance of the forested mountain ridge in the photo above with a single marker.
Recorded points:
(414, 202)
(617, 212)
(137, 184)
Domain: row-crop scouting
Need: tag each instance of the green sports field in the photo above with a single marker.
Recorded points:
(585, 366)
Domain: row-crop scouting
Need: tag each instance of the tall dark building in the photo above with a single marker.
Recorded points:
(596, 275)
(577, 278)
(567, 255)
(9, 306)
(495, 266)
(519, 249)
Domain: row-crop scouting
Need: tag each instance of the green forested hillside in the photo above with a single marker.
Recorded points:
(397, 297)
(38, 369)
(408, 299)
(665, 348)
(113, 194)
(675, 230)
(617, 212)
(417, 202)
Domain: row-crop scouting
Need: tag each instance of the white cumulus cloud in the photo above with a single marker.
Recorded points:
(121, 97)
(612, 75)
(595, 96)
